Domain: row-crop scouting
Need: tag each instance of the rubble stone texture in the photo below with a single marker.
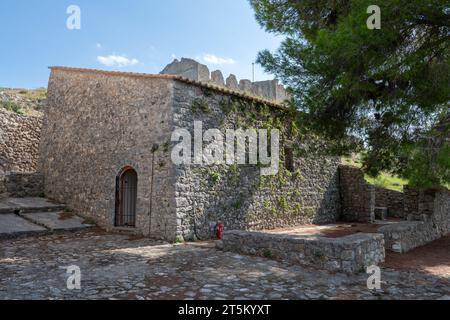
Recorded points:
(426, 226)
(391, 199)
(239, 198)
(21, 185)
(119, 267)
(349, 254)
(19, 142)
(97, 123)
(358, 197)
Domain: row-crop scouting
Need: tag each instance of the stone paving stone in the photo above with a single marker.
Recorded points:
(9, 205)
(122, 267)
(56, 220)
(4, 206)
(11, 224)
(27, 203)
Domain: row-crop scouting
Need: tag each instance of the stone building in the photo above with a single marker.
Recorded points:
(106, 153)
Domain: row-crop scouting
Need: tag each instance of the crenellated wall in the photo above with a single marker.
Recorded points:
(191, 69)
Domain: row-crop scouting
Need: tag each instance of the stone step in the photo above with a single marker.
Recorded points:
(39, 223)
(12, 226)
(28, 205)
(56, 221)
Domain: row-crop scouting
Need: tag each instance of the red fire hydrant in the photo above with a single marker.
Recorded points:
(219, 230)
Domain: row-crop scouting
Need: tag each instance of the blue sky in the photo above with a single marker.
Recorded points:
(132, 35)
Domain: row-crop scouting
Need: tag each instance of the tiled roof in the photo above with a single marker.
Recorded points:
(214, 87)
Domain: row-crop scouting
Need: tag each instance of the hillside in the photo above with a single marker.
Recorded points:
(30, 102)
(384, 180)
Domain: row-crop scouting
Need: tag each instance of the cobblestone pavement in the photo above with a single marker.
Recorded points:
(122, 267)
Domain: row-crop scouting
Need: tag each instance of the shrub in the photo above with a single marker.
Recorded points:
(11, 106)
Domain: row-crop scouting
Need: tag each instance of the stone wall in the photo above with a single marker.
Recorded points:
(3, 189)
(429, 215)
(19, 142)
(238, 195)
(96, 124)
(99, 122)
(21, 185)
(392, 200)
(419, 203)
(350, 254)
(357, 197)
(191, 69)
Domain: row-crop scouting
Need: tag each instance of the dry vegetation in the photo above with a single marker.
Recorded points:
(30, 102)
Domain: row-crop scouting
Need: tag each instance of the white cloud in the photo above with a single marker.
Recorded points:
(213, 59)
(117, 61)
(99, 45)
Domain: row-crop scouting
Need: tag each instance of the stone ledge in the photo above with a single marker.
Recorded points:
(350, 254)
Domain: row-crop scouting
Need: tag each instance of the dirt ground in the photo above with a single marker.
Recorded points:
(336, 230)
(433, 258)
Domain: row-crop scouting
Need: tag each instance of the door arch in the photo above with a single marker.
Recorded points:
(126, 198)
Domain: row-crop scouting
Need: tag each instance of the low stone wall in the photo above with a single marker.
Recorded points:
(419, 203)
(19, 142)
(357, 197)
(405, 236)
(431, 210)
(20, 185)
(392, 200)
(350, 254)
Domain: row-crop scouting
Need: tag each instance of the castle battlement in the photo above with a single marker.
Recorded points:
(191, 69)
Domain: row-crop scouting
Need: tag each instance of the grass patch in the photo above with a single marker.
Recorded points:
(384, 180)
(11, 106)
(179, 240)
(34, 94)
(215, 176)
(387, 181)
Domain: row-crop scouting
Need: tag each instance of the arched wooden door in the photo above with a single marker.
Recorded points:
(126, 197)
